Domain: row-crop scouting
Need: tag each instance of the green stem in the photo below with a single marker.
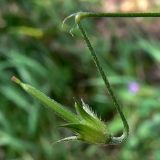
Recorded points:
(100, 69)
(82, 15)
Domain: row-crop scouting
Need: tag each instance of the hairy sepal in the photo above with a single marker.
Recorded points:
(88, 133)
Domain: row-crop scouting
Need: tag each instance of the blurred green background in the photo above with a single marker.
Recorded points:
(35, 48)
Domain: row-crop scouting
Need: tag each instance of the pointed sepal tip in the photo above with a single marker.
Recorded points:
(15, 79)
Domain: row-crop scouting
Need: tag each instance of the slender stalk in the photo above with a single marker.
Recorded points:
(82, 15)
(100, 69)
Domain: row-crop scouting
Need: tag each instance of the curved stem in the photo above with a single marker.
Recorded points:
(82, 15)
(115, 140)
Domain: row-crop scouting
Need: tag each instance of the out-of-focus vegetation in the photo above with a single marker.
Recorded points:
(34, 47)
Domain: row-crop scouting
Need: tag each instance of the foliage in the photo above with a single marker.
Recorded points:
(34, 47)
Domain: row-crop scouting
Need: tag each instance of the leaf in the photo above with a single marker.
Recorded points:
(151, 48)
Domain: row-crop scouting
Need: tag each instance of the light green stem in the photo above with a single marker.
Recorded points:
(82, 15)
(94, 56)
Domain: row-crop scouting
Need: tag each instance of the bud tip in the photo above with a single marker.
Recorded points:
(15, 79)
